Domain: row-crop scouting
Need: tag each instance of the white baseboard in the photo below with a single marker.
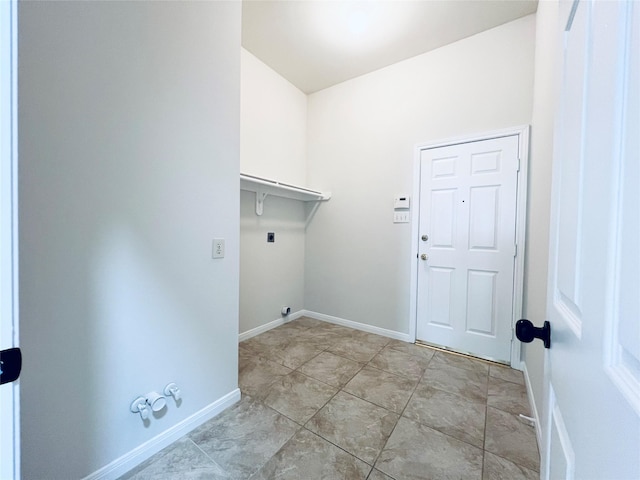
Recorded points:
(355, 325)
(268, 326)
(405, 337)
(534, 408)
(135, 457)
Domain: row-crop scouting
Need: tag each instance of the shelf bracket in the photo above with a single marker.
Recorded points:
(263, 187)
(311, 214)
(260, 196)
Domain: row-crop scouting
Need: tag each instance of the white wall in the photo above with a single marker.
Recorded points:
(129, 162)
(271, 274)
(273, 141)
(361, 140)
(273, 145)
(537, 256)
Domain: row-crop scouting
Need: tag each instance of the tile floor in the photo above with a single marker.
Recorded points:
(321, 401)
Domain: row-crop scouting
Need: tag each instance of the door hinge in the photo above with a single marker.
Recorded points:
(515, 250)
(518, 165)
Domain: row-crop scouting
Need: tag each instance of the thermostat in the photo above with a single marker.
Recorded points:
(401, 202)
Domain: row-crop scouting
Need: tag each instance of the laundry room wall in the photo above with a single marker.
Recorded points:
(273, 145)
(129, 159)
(361, 142)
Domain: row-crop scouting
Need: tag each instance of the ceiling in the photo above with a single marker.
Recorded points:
(318, 43)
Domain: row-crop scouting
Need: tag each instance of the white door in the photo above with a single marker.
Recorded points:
(592, 412)
(9, 393)
(466, 250)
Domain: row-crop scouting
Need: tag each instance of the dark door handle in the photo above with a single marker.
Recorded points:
(10, 365)
(526, 332)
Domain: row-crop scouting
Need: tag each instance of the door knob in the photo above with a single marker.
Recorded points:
(10, 365)
(425, 238)
(424, 256)
(526, 332)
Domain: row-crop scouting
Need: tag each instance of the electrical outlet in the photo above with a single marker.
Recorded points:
(401, 217)
(218, 248)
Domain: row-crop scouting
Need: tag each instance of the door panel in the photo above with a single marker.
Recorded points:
(441, 296)
(481, 302)
(444, 217)
(623, 330)
(592, 376)
(563, 461)
(483, 217)
(468, 210)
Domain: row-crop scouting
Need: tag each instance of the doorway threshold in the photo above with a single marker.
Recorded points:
(442, 348)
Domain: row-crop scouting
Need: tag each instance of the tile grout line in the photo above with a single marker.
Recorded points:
(455, 395)
(206, 454)
(411, 396)
(401, 415)
(340, 448)
(299, 427)
(341, 389)
(486, 418)
(284, 444)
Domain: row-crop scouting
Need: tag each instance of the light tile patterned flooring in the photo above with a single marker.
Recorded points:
(321, 401)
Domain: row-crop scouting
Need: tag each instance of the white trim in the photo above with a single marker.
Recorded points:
(415, 233)
(521, 235)
(534, 408)
(268, 326)
(135, 457)
(476, 137)
(545, 451)
(556, 421)
(357, 326)
(624, 378)
(325, 318)
(9, 317)
(522, 132)
(624, 375)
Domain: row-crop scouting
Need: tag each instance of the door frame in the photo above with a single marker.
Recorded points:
(521, 219)
(10, 393)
